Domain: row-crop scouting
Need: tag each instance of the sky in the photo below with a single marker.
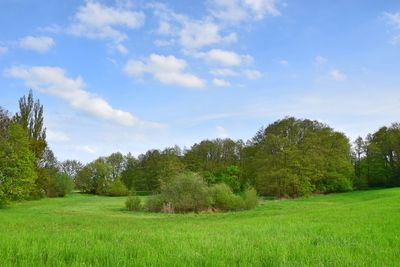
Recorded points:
(134, 75)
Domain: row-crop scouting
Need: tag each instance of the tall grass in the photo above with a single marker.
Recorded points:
(349, 229)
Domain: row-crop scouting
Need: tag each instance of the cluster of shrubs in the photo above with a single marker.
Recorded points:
(188, 192)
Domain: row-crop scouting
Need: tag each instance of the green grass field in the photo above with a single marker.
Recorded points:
(350, 229)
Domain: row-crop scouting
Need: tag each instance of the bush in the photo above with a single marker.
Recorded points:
(224, 199)
(250, 198)
(60, 185)
(3, 199)
(155, 203)
(334, 182)
(133, 203)
(186, 192)
(117, 189)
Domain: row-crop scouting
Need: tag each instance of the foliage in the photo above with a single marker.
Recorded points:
(117, 188)
(224, 199)
(71, 168)
(133, 203)
(228, 175)
(217, 160)
(3, 196)
(151, 169)
(84, 180)
(155, 203)
(30, 117)
(377, 160)
(186, 192)
(293, 158)
(5, 120)
(16, 164)
(250, 198)
(60, 185)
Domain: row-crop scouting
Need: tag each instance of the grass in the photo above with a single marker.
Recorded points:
(349, 229)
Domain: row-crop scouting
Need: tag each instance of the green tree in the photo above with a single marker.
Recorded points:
(381, 163)
(17, 164)
(4, 122)
(292, 157)
(30, 117)
(71, 168)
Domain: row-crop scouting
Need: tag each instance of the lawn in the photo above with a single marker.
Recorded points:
(349, 229)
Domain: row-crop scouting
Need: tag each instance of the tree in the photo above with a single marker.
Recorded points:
(215, 160)
(16, 164)
(129, 174)
(295, 157)
(381, 164)
(116, 162)
(60, 185)
(186, 192)
(30, 117)
(71, 168)
(4, 122)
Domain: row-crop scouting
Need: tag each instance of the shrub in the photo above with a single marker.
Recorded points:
(334, 182)
(155, 203)
(60, 185)
(186, 192)
(224, 199)
(117, 189)
(133, 203)
(3, 196)
(250, 198)
(3, 199)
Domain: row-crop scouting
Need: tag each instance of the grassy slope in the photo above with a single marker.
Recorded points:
(357, 229)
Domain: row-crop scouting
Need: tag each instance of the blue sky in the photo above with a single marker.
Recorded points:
(134, 75)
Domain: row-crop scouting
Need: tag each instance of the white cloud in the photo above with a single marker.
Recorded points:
(236, 11)
(393, 19)
(223, 57)
(164, 28)
(262, 7)
(224, 72)
(283, 62)
(86, 149)
(190, 34)
(197, 34)
(166, 69)
(97, 21)
(40, 44)
(3, 50)
(121, 48)
(161, 43)
(337, 75)
(53, 28)
(319, 60)
(221, 83)
(53, 81)
(221, 132)
(55, 136)
(252, 74)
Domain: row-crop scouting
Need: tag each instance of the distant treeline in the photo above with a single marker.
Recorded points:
(289, 158)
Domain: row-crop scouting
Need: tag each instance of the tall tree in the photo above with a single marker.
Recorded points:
(4, 122)
(30, 117)
(71, 168)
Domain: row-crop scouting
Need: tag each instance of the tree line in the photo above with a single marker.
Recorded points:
(289, 158)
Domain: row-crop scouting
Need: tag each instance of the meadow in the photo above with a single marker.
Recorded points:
(347, 229)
